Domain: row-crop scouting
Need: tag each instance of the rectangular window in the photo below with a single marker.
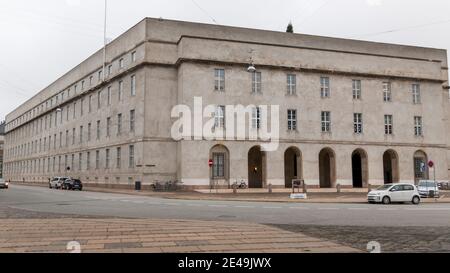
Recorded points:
(74, 110)
(90, 103)
(219, 79)
(357, 123)
(121, 63)
(133, 85)
(326, 121)
(67, 113)
(386, 91)
(97, 160)
(292, 119)
(100, 75)
(256, 117)
(418, 126)
(119, 124)
(67, 138)
(416, 93)
(80, 156)
(324, 87)
(356, 87)
(256, 82)
(109, 95)
(291, 84)
(120, 95)
(133, 56)
(108, 125)
(99, 99)
(388, 124)
(73, 136)
(219, 117)
(81, 134)
(72, 165)
(82, 85)
(109, 69)
(218, 165)
(131, 156)
(118, 157)
(132, 117)
(66, 161)
(90, 80)
(89, 132)
(88, 160)
(107, 159)
(98, 129)
(81, 106)
(60, 139)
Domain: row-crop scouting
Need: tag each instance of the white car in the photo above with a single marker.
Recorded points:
(391, 193)
(425, 188)
(56, 182)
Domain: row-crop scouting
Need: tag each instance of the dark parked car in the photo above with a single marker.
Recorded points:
(72, 184)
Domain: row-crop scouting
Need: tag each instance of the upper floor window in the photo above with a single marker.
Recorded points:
(120, 95)
(219, 117)
(356, 87)
(387, 91)
(219, 79)
(388, 124)
(324, 87)
(292, 119)
(132, 120)
(418, 126)
(121, 63)
(416, 93)
(110, 69)
(133, 85)
(256, 117)
(119, 124)
(326, 121)
(256, 82)
(90, 80)
(109, 95)
(100, 75)
(99, 99)
(108, 126)
(133, 56)
(291, 84)
(357, 123)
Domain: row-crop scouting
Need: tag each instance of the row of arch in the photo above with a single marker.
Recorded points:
(293, 166)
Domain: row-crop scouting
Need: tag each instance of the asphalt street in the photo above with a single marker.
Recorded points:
(38, 199)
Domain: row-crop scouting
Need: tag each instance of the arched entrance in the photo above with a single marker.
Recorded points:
(420, 166)
(327, 168)
(292, 166)
(256, 167)
(390, 167)
(220, 171)
(360, 170)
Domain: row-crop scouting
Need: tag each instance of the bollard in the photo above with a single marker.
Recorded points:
(304, 187)
(234, 188)
(338, 188)
(270, 188)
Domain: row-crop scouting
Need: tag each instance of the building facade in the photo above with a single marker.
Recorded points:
(350, 112)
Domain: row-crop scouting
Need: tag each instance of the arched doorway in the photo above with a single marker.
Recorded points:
(220, 171)
(420, 166)
(292, 166)
(256, 167)
(360, 170)
(327, 168)
(390, 167)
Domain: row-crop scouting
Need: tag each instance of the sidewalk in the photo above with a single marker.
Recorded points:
(155, 236)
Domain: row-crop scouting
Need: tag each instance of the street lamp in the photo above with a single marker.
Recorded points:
(251, 68)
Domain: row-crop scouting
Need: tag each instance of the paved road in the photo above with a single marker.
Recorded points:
(129, 206)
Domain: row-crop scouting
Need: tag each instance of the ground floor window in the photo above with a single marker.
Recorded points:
(219, 165)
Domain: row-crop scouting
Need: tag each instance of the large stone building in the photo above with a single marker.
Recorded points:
(351, 112)
(2, 141)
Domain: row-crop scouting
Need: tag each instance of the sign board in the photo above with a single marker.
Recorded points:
(210, 163)
(431, 164)
(299, 196)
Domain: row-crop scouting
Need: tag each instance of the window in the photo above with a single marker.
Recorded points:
(119, 124)
(218, 165)
(256, 117)
(118, 157)
(291, 84)
(89, 132)
(107, 159)
(99, 99)
(90, 103)
(219, 79)
(81, 106)
(132, 117)
(121, 63)
(324, 87)
(388, 124)
(75, 89)
(326, 122)
(357, 123)
(133, 56)
(72, 165)
(73, 136)
(219, 117)
(67, 138)
(418, 126)
(292, 120)
(109, 95)
(82, 85)
(256, 82)
(131, 156)
(108, 125)
(97, 159)
(90, 80)
(74, 110)
(60, 139)
(133, 85)
(98, 129)
(386, 91)
(88, 160)
(356, 87)
(81, 134)
(100, 75)
(109, 69)
(120, 90)
(80, 155)
(67, 113)
(416, 93)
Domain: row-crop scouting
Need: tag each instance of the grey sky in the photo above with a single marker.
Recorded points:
(41, 40)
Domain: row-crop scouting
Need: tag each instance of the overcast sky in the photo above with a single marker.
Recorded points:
(42, 40)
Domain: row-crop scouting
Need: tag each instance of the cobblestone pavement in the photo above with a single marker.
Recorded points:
(25, 231)
(391, 239)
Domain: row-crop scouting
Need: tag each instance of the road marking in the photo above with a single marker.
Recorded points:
(194, 205)
(218, 206)
(298, 208)
(248, 207)
(358, 208)
(271, 207)
(386, 209)
(328, 208)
